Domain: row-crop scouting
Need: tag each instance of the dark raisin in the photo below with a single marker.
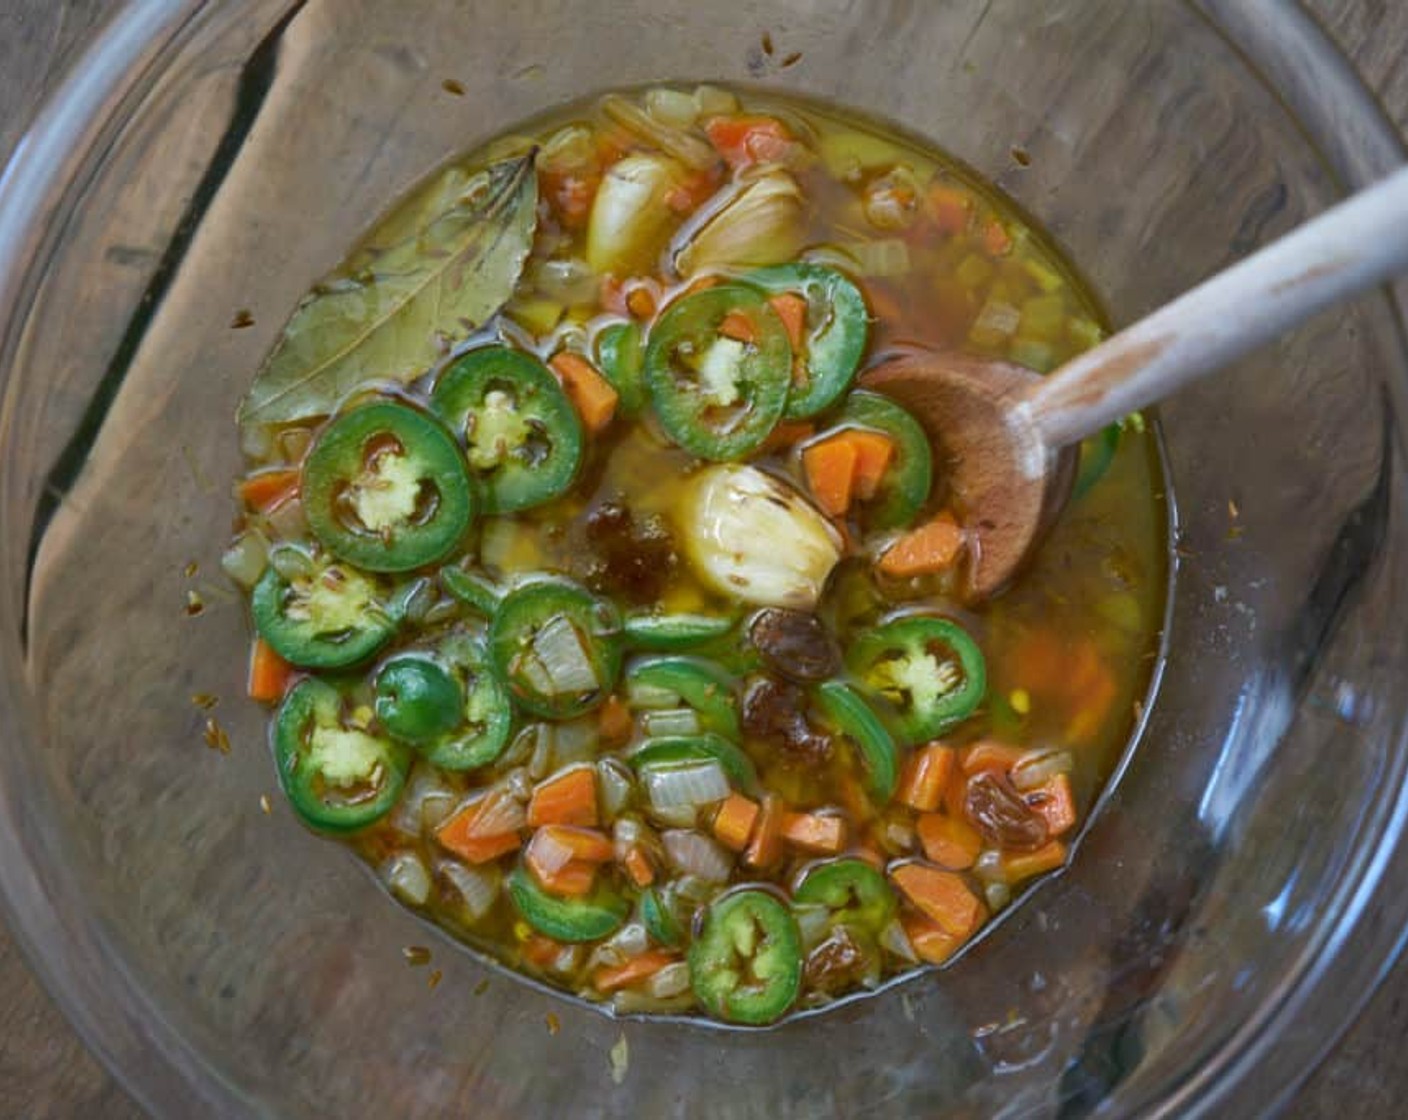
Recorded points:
(625, 556)
(997, 811)
(837, 963)
(775, 712)
(795, 644)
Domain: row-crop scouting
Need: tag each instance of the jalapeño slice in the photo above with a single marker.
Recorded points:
(385, 488)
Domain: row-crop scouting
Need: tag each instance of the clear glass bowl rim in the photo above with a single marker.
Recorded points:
(1257, 1072)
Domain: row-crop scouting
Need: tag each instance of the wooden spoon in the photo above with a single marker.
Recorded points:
(1009, 436)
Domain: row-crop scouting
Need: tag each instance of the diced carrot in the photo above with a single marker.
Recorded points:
(566, 798)
(573, 879)
(593, 396)
(951, 842)
(266, 489)
(691, 191)
(874, 454)
(956, 792)
(853, 797)
(1055, 803)
(1023, 865)
(925, 774)
(737, 326)
(940, 895)
(611, 978)
(638, 866)
(933, 547)
(640, 302)
(830, 466)
(570, 194)
(613, 295)
(787, 434)
(989, 754)
(269, 674)
(997, 241)
(540, 950)
(564, 859)
(930, 941)
(734, 821)
(1092, 686)
(792, 310)
(870, 852)
(766, 845)
(822, 833)
(948, 208)
(575, 843)
(477, 849)
(614, 721)
(484, 829)
(746, 140)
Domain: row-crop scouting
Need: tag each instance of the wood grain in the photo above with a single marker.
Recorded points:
(45, 1072)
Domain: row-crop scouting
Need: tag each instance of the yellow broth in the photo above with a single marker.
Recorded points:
(943, 262)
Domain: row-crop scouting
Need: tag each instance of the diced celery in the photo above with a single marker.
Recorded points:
(1032, 353)
(1084, 333)
(1044, 318)
(974, 271)
(535, 314)
(1045, 277)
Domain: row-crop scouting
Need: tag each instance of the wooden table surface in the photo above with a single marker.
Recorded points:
(46, 1074)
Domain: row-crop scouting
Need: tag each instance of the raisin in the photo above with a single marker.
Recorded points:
(795, 644)
(836, 963)
(775, 711)
(997, 811)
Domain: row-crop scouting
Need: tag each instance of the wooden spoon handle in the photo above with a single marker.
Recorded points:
(1350, 247)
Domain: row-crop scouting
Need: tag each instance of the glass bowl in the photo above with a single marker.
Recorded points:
(1212, 935)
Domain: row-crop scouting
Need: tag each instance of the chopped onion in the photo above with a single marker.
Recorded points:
(614, 783)
(524, 744)
(893, 939)
(715, 102)
(518, 783)
(693, 853)
(998, 895)
(549, 854)
(478, 887)
(626, 833)
(569, 281)
(671, 107)
(291, 563)
(995, 324)
(569, 149)
(753, 537)
(670, 981)
(689, 149)
(814, 922)
(888, 256)
(677, 816)
(540, 762)
(691, 783)
(564, 659)
(899, 835)
(406, 876)
(245, 560)
(988, 867)
(650, 696)
(630, 940)
(499, 811)
(286, 520)
(672, 721)
(1039, 767)
(425, 804)
(574, 741)
(294, 443)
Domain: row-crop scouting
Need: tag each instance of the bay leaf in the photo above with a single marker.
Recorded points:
(434, 270)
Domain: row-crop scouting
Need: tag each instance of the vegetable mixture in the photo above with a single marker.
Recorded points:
(607, 615)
